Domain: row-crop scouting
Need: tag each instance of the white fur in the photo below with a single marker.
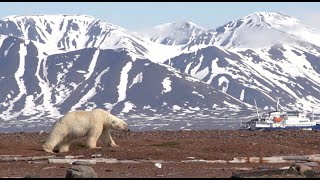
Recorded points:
(93, 125)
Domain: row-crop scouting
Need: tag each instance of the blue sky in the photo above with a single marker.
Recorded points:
(138, 15)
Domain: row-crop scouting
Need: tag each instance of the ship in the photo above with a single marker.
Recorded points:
(278, 120)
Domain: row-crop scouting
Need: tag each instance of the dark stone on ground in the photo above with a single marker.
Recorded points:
(79, 171)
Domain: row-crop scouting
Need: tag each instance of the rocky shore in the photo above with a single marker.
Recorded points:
(212, 153)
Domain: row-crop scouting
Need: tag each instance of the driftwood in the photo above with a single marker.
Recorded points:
(314, 159)
(84, 163)
(89, 161)
(15, 158)
(272, 159)
(37, 162)
(152, 161)
(277, 159)
(206, 161)
(73, 157)
(70, 161)
(296, 158)
(100, 160)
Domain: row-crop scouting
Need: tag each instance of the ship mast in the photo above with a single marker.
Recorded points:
(277, 106)
(257, 109)
(312, 114)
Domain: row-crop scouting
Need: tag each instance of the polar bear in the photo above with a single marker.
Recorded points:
(93, 125)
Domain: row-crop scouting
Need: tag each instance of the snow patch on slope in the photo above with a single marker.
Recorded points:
(92, 65)
(166, 85)
(122, 87)
(19, 79)
(97, 87)
(128, 106)
(137, 79)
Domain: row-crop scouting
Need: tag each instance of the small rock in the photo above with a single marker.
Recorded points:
(285, 167)
(79, 171)
(41, 132)
(158, 165)
(301, 168)
(96, 155)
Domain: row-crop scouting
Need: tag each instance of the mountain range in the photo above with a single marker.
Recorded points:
(52, 64)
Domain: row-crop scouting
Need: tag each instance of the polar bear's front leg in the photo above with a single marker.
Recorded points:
(93, 138)
(65, 145)
(107, 139)
(53, 140)
(47, 148)
(64, 148)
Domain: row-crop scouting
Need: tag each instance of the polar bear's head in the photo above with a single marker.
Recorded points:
(118, 124)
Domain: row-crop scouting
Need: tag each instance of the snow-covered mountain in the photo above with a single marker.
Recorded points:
(261, 56)
(264, 29)
(51, 64)
(38, 88)
(257, 30)
(73, 32)
(70, 32)
(176, 33)
(286, 72)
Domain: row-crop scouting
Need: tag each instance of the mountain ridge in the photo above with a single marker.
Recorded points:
(65, 64)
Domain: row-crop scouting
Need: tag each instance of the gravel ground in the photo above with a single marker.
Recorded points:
(172, 147)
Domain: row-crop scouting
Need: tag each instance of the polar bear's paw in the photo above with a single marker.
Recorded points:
(64, 148)
(94, 147)
(47, 148)
(114, 145)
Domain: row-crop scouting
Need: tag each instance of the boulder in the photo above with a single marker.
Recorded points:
(79, 171)
(301, 168)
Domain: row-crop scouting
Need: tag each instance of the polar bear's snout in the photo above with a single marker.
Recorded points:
(126, 127)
